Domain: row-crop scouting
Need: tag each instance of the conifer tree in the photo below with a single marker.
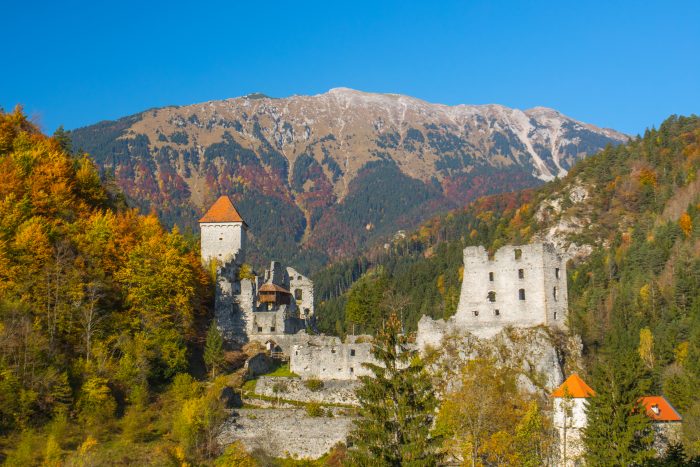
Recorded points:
(618, 431)
(397, 406)
(214, 350)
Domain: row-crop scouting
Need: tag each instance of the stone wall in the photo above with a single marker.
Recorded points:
(286, 432)
(332, 392)
(330, 358)
(515, 287)
(301, 285)
(223, 241)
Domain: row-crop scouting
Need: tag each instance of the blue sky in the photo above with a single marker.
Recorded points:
(620, 64)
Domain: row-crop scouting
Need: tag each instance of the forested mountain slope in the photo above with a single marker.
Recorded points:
(630, 218)
(319, 177)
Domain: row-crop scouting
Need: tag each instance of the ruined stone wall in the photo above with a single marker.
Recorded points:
(514, 287)
(286, 432)
(332, 391)
(305, 288)
(330, 359)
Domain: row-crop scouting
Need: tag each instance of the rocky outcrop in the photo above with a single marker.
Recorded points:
(541, 356)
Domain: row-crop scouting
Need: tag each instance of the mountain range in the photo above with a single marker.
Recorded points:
(321, 177)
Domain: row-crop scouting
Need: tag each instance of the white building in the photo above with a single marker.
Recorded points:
(570, 419)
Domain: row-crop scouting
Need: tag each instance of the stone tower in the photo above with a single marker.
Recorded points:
(223, 238)
(520, 286)
(223, 233)
(570, 419)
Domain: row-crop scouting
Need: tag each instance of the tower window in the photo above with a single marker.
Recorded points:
(352, 370)
(272, 329)
(518, 253)
(220, 238)
(491, 276)
(555, 315)
(521, 294)
(521, 274)
(554, 292)
(556, 272)
(476, 312)
(298, 294)
(492, 296)
(497, 312)
(352, 352)
(259, 328)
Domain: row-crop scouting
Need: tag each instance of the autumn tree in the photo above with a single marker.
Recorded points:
(487, 419)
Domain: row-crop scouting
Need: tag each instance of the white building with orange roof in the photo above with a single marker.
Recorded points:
(569, 418)
(666, 421)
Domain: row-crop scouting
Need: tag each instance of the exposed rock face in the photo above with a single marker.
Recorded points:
(540, 355)
(319, 164)
(286, 432)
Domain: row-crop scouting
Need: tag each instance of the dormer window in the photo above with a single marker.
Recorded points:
(655, 408)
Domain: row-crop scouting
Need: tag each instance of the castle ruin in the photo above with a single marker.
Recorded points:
(518, 286)
(273, 308)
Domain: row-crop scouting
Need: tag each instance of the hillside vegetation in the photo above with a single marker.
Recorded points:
(99, 312)
(632, 214)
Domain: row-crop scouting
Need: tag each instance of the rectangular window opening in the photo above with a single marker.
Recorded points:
(491, 276)
(521, 274)
(352, 352)
(556, 272)
(521, 294)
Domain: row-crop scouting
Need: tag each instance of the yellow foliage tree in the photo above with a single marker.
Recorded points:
(686, 224)
(646, 346)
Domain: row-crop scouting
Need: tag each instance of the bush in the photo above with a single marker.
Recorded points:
(314, 409)
(314, 384)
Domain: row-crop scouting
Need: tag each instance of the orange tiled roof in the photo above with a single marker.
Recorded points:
(270, 287)
(574, 386)
(660, 410)
(222, 211)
